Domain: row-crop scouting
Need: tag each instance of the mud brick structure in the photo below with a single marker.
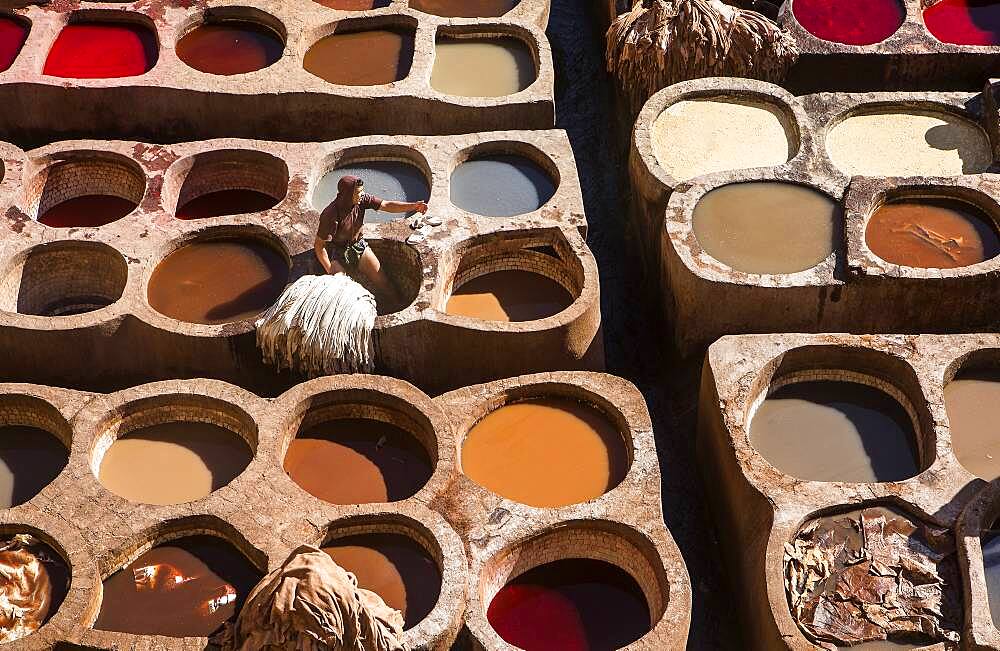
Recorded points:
(837, 294)
(110, 266)
(478, 539)
(759, 509)
(281, 102)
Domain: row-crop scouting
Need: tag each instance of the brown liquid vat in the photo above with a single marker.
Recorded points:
(417, 339)
(264, 515)
(760, 508)
(829, 297)
(267, 97)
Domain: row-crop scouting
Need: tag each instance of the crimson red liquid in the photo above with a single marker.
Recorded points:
(226, 202)
(87, 211)
(852, 22)
(231, 47)
(965, 22)
(101, 50)
(13, 33)
(571, 605)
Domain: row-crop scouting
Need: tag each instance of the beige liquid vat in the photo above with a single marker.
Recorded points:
(482, 67)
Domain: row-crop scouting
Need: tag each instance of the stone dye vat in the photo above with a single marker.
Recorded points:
(482, 67)
(386, 179)
(186, 313)
(37, 584)
(977, 548)
(465, 8)
(361, 58)
(969, 399)
(756, 277)
(230, 47)
(779, 525)
(295, 71)
(509, 296)
(412, 551)
(964, 22)
(500, 185)
(354, 5)
(394, 566)
(34, 439)
(184, 588)
(855, 22)
(545, 453)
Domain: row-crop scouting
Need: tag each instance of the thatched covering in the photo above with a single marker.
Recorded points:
(663, 42)
(320, 325)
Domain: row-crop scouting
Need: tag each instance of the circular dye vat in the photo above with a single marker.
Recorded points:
(95, 50)
(394, 567)
(852, 22)
(964, 22)
(389, 180)
(30, 458)
(226, 202)
(545, 452)
(173, 463)
(701, 136)
(932, 233)
(574, 604)
(13, 34)
(36, 581)
(358, 461)
(188, 587)
(767, 228)
(990, 542)
(368, 58)
(230, 47)
(908, 143)
(354, 5)
(87, 211)
(218, 281)
(500, 186)
(835, 431)
(973, 403)
(509, 296)
(482, 67)
(464, 8)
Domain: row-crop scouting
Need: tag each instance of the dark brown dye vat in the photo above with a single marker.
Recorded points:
(362, 58)
(230, 47)
(358, 461)
(30, 458)
(464, 8)
(393, 566)
(218, 281)
(226, 202)
(185, 588)
(87, 211)
(354, 5)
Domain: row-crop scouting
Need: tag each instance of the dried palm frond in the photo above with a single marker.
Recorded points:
(662, 42)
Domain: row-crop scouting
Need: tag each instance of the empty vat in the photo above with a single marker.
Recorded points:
(701, 136)
(98, 50)
(173, 463)
(767, 228)
(464, 8)
(36, 580)
(852, 22)
(936, 233)
(362, 58)
(393, 566)
(389, 180)
(13, 34)
(573, 604)
(509, 296)
(545, 452)
(972, 400)
(187, 587)
(964, 22)
(358, 461)
(835, 431)
(230, 47)
(500, 185)
(482, 67)
(87, 211)
(218, 281)
(908, 142)
(30, 458)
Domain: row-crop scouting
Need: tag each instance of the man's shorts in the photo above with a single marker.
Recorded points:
(350, 255)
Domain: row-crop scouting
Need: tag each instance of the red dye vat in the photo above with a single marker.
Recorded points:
(87, 211)
(965, 22)
(570, 605)
(226, 202)
(13, 33)
(101, 50)
(852, 22)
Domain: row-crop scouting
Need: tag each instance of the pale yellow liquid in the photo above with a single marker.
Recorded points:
(486, 67)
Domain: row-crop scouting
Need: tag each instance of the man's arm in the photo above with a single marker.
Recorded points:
(404, 206)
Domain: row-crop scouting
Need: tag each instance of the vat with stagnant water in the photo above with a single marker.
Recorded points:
(482, 67)
(500, 185)
(362, 57)
(385, 179)
(102, 50)
(230, 47)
